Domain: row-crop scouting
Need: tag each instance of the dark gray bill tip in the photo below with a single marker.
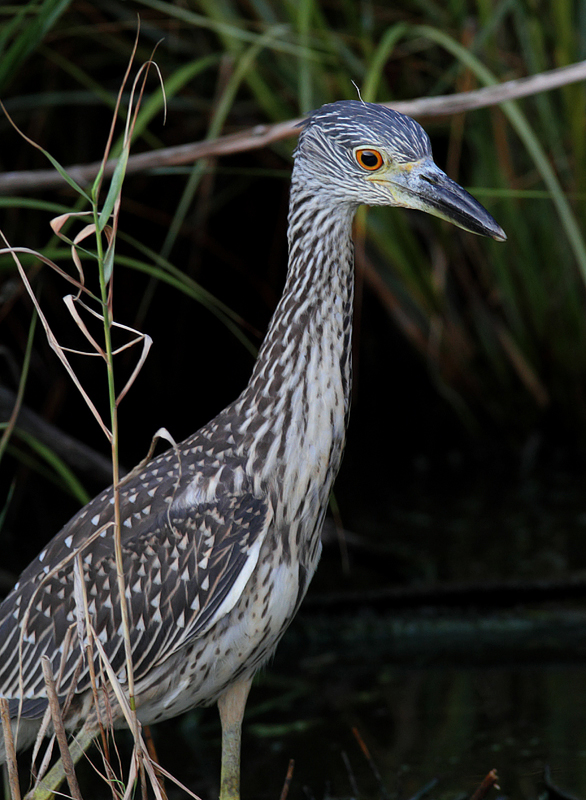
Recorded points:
(498, 234)
(484, 225)
(459, 207)
(464, 211)
(447, 199)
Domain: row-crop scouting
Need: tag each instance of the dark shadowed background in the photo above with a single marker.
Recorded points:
(446, 622)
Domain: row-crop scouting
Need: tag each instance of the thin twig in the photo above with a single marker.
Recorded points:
(11, 423)
(10, 750)
(288, 779)
(351, 777)
(60, 734)
(554, 792)
(152, 751)
(371, 764)
(425, 790)
(490, 781)
(263, 135)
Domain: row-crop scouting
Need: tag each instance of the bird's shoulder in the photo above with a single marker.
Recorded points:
(185, 563)
(146, 494)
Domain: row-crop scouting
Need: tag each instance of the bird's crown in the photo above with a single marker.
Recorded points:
(349, 124)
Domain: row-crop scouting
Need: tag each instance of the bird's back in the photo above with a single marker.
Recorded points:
(191, 533)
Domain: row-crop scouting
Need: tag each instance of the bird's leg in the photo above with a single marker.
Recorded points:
(231, 706)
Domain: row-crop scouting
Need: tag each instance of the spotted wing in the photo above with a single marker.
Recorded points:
(182, 574)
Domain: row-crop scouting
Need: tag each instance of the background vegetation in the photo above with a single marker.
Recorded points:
(470, 355)
(465, 345)
(465, 349)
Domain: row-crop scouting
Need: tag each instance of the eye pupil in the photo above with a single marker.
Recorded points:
(369, 159)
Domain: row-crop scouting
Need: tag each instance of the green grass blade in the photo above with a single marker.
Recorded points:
(114, 189)
(160, 269)
(28, 29)
(227, 30)
(304, 14)
(192, 289)
(21, 386)
(156, 102)
(521, 125)
(381, 55)
(243, 67)
(58, 468)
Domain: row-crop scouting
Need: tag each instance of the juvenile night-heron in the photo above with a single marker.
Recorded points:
(221, 535)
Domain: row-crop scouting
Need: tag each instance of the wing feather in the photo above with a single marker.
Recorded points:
(182, 575)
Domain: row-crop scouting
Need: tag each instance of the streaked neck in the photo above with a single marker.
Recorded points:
(294, 411)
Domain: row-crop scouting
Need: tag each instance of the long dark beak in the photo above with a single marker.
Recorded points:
(424, 186)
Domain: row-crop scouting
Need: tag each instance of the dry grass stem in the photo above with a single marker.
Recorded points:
(75, 305)
(52, 340)
(159, 769)
(10, 750)
(39, 772)
(162, 433)
(112, 206)
(60, 734)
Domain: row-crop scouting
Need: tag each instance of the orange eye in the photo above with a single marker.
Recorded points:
(369, 159)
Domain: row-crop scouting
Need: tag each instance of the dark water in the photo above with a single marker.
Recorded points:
(437, 687)
(449, 641)
(452, 721)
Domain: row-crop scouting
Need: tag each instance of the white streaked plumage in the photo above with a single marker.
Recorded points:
(221, 534)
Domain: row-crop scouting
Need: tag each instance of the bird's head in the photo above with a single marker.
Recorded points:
(365, 153)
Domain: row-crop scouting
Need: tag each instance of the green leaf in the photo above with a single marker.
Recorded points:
(58, 467)
(115, 188)
(26, 30)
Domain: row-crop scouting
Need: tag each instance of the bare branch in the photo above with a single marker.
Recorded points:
(263, 135)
